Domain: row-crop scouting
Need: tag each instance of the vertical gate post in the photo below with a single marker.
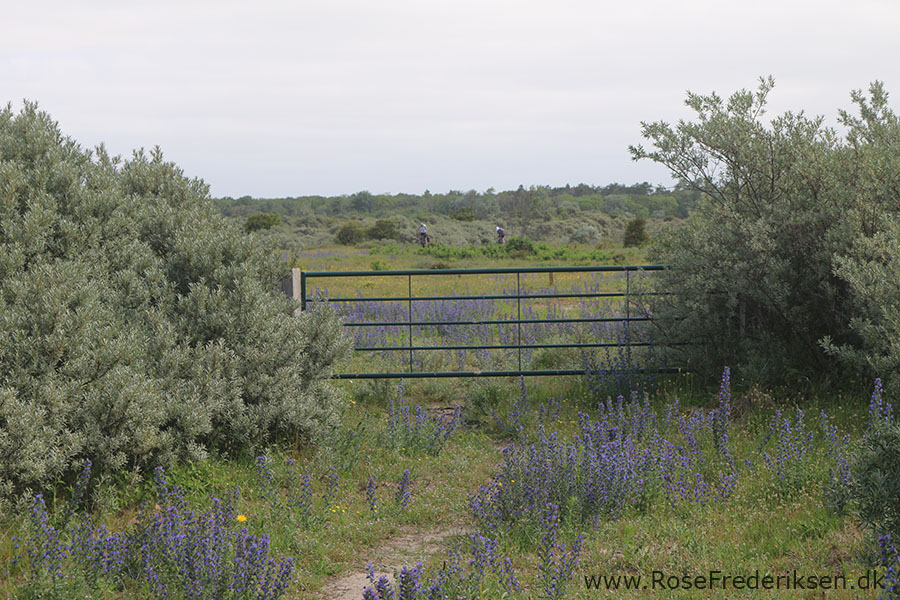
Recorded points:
(519, 317)
(302, 275)
(292, 287)
(627, 317)
(409, 310)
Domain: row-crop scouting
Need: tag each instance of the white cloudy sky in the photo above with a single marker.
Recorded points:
(282, 98)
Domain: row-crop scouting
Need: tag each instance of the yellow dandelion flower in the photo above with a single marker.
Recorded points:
(241, 518)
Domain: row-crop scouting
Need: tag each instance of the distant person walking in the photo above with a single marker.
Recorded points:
(501, 236)
(424, 240)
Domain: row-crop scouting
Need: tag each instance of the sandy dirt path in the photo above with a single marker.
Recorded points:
(396, 552)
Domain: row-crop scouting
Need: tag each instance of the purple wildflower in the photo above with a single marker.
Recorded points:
(371, 498)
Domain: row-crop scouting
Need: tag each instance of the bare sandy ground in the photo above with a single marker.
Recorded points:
(396, 552)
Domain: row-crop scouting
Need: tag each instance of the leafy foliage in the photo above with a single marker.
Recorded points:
(260, 221)
(350, 233)
(137, 326)
(636, 232)
(519, 246)
(383, 229)
(790, 239)
(872, 271)
(464, 213)
(876, 469)
(878, 480)
(520, 205)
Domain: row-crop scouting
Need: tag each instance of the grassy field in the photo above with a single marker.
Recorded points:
(410, 256)
(435, 282)
(672, 487)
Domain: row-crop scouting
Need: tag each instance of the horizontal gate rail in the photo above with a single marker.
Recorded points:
(514, 373)
(515, 320)
(500, 346)
(494, 297)
(487, 271)
(498, 321)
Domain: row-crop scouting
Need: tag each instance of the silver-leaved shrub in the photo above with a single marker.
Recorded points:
(787, 268)
(137, 326)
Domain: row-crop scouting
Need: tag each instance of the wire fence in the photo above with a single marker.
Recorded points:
(410, 325)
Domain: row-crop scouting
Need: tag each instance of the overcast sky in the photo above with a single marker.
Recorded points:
(287, 98)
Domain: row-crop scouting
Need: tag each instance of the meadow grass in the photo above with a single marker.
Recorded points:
(406, 257)
(470, 308)
(342, 528)
(775, 519)
(764, 526)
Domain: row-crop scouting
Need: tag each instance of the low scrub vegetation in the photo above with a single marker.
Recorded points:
(168, 427)
(515, 248)
(584, 484)
(261, 221)
(353, 233)
(139, 327)
(788, 265)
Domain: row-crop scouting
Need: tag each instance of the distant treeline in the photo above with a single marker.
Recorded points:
(638, 200)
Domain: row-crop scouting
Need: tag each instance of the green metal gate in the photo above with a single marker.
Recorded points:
(627, 297)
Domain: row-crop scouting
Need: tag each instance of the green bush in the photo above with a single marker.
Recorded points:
(260, 221)
(137, 326)
(877, 480)
(519, 246)
(636, 232)
(463, 213)
(584, 234)
(350, 234)
(872, 270)
(762, 275)
(383, 229)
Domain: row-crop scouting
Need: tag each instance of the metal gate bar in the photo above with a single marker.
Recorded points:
(409, 323)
